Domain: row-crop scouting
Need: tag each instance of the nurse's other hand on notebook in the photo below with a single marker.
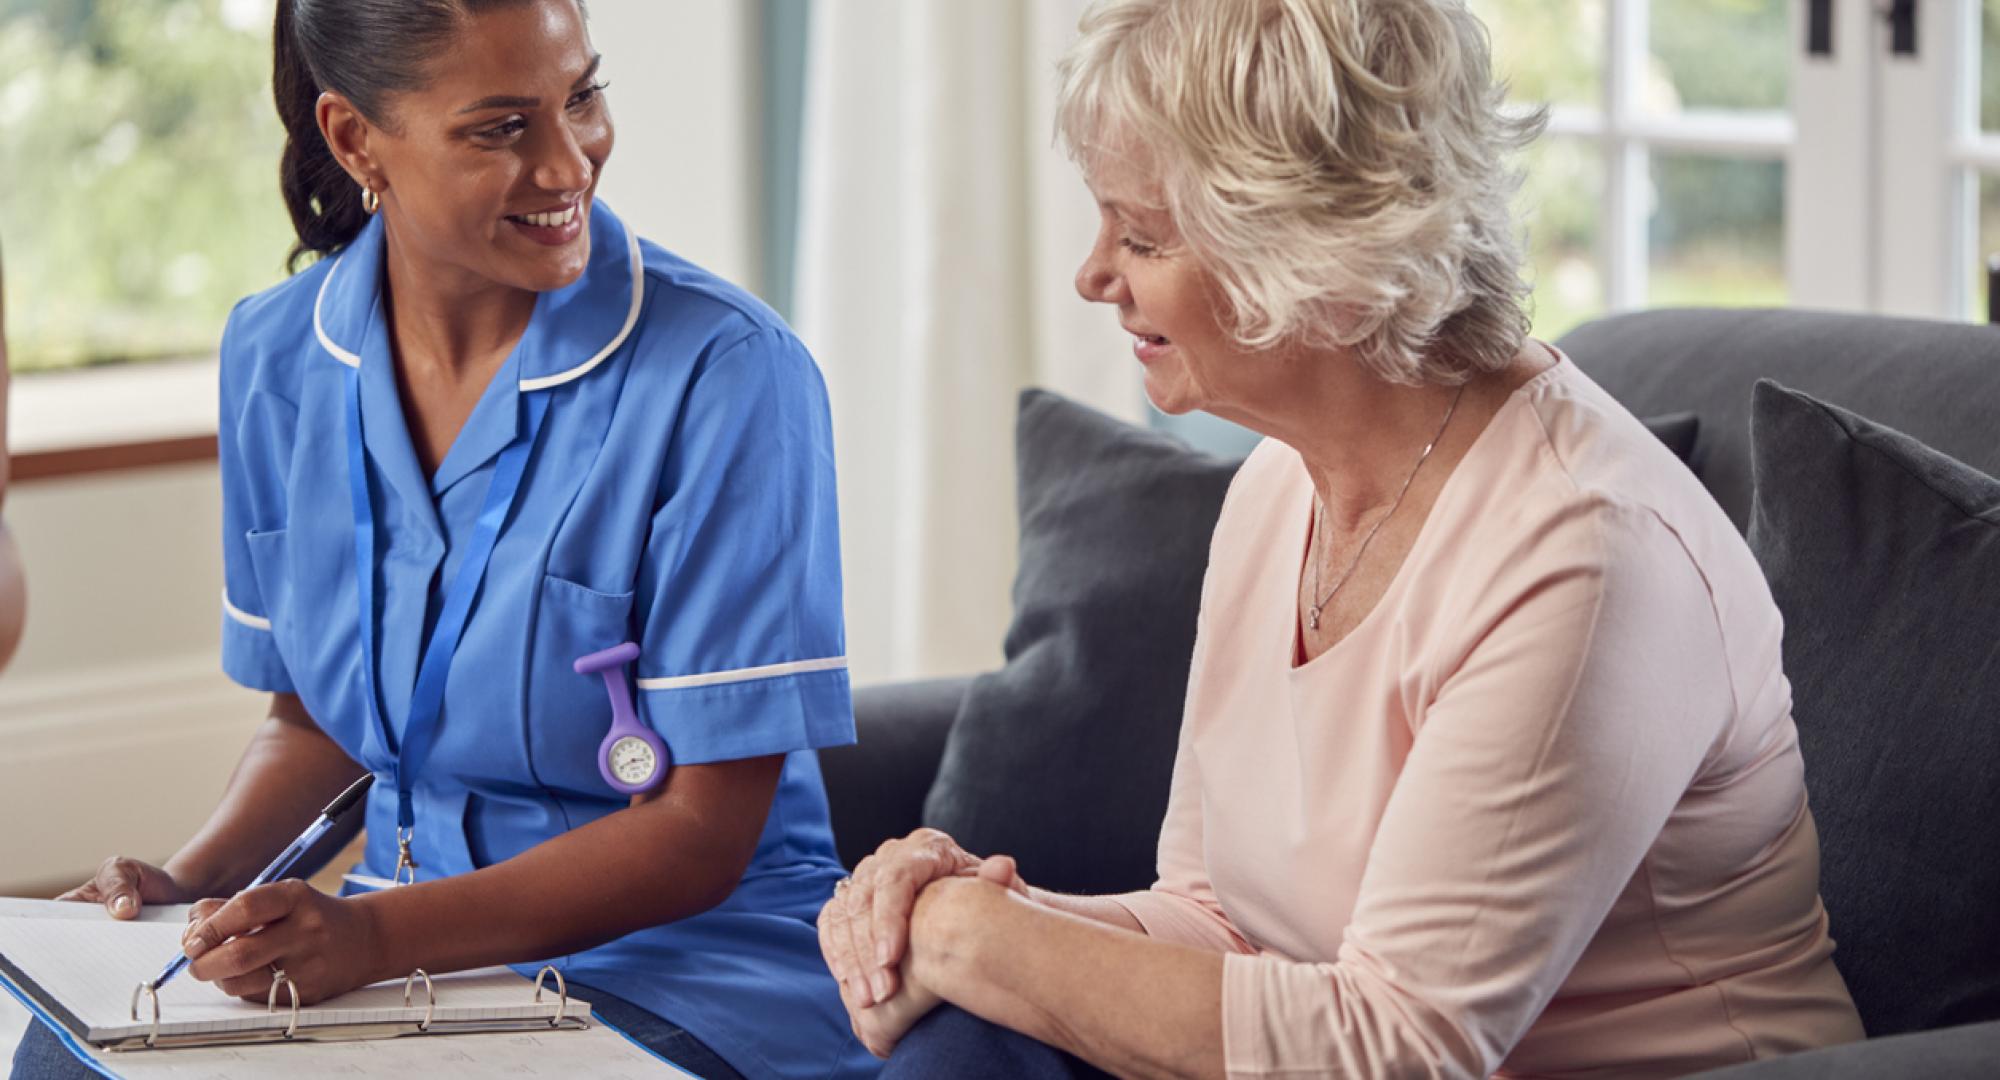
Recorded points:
(325, 945)
(124, 886)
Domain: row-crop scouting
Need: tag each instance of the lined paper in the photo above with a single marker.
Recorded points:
(90, 963)
(599, 1053)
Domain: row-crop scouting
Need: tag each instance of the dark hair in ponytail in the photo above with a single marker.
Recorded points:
(364, 50)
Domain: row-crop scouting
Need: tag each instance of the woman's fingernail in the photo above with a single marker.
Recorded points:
(123, 903)
(879, 982)
(194, 947)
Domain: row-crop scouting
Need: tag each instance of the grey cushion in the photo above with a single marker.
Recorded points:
(876, 785)
(1937, 381)
(1681, 432)
(1884, 556)
(1062, 757)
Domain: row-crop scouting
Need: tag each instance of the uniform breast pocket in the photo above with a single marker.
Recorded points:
(268, 553)
(569, 714)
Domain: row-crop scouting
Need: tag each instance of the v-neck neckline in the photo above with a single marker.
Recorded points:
(1295, 639)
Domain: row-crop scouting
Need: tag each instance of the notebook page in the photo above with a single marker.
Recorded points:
(91, 962)
(50, 909)
(600, 1053)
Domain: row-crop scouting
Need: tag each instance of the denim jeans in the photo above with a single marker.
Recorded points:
(42, 1056)
(952, 1042)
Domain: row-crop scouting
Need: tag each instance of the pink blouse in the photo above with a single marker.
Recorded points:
(1542, 812)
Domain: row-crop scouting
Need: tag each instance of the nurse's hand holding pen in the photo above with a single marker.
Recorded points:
(325, 945)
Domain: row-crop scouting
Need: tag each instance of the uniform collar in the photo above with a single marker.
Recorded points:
(573, 329)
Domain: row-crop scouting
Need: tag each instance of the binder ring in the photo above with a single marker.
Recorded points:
(562, 1005)
(153, 1037)
(430, 996)
(279, 978)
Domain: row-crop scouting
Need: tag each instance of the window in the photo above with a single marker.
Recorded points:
(139, 148)
(1662, 179)
(1980, 156)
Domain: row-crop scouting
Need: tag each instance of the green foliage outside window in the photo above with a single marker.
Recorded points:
(1716, 228)
(138, 175)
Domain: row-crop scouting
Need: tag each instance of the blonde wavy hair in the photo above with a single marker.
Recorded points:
(1342, 168)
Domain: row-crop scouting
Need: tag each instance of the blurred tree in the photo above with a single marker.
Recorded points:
(1548, 50)
(140, 150)
(1719, 54)
(1716, 229)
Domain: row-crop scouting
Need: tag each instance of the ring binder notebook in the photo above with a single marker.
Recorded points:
(74, 965)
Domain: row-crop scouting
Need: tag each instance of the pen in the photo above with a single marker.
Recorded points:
(285, 860)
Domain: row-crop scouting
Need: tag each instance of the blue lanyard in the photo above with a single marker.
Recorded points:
(427, 697)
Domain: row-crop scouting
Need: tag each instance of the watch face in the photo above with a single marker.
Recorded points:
(633, 760)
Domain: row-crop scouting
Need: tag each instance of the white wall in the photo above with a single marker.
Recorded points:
(684, 94)
(116, 728)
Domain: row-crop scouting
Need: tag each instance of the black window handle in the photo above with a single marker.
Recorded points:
(1819, 28)
(1902, 16)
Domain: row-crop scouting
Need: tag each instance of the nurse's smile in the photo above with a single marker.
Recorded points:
(554, 227)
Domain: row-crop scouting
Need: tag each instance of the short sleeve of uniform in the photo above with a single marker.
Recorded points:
(743, 651)
(250, 510)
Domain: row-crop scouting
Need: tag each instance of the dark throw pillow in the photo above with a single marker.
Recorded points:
(1681, 432)
(1884, 556)
(1062, 757)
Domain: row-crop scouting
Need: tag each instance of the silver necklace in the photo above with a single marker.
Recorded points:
(1319, 523)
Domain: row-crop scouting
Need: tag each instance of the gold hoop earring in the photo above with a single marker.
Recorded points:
(370, 201)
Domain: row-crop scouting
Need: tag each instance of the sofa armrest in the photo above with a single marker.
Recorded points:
(876, 788)
(1956, 1053)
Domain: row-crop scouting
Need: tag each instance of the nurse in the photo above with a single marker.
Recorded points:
(487, 432)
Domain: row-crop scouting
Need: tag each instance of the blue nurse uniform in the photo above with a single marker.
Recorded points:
(679, 494)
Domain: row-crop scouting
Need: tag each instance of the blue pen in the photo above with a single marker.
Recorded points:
(285, 859)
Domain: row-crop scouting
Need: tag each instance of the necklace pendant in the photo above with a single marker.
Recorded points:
(1312, 619)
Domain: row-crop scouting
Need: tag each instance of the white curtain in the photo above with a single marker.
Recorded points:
(940, 231)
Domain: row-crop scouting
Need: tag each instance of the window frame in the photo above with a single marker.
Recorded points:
(1829, 184)
(149, 414)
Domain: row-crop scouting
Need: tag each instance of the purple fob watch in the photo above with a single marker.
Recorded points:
(632, 759)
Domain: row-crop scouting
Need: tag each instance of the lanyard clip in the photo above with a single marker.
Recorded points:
(404, 859)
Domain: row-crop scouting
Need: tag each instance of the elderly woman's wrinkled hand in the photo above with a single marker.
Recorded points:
(864, 931)
(882, 1025)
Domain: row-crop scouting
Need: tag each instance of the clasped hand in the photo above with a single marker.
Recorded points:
(864, 931)
(325, 945)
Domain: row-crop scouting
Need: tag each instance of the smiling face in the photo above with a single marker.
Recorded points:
(489, 168)
(1165, 299)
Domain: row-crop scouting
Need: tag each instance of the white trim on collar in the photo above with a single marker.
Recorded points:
(254, 622)
(768, 671)
(350, 359)
(631, 320)
(543, 382)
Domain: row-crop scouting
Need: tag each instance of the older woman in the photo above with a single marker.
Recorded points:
(1487, 760)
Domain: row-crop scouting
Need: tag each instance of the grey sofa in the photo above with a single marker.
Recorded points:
(1937, 382)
